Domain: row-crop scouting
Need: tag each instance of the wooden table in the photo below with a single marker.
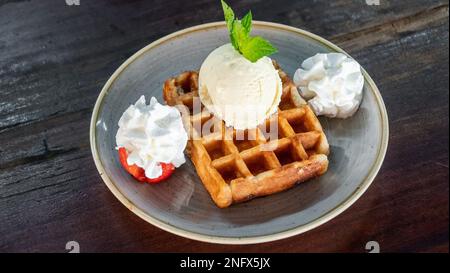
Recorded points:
(55, 58)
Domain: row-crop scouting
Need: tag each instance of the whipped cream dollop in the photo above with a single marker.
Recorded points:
(152, 134)
(332, 83)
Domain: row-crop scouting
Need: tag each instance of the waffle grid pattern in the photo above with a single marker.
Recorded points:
(232, 169)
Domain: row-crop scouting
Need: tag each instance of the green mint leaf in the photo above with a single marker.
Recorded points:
(252, 48)
(234, 41)
(256, 47)
(239, 34)
(228, 14)
(247, 22)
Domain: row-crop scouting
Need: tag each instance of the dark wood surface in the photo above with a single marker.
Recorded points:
(55, 58)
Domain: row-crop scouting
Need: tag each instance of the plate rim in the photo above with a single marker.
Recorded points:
(338, 209)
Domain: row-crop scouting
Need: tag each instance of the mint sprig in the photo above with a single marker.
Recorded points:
(252, 48)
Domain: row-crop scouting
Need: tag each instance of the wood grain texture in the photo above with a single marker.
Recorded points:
(55, 58)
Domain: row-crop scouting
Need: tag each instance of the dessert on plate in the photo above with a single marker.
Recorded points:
(235, 170)
(241, 119)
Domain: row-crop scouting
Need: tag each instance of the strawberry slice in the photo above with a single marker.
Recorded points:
(139, 173)
(136, 171)
(167, 170)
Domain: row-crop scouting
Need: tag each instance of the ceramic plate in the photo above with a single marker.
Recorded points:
(181, 205)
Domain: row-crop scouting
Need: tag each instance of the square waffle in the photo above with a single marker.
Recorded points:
(236, 166)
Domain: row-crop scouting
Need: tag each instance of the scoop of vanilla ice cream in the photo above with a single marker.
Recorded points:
(240, 92)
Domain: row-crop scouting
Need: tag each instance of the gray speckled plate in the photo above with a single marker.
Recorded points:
(181, 205)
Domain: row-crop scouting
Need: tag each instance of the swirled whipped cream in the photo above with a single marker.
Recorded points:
(332, 83)
(152, 134)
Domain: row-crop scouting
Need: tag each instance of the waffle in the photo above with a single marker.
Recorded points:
(234, 170)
